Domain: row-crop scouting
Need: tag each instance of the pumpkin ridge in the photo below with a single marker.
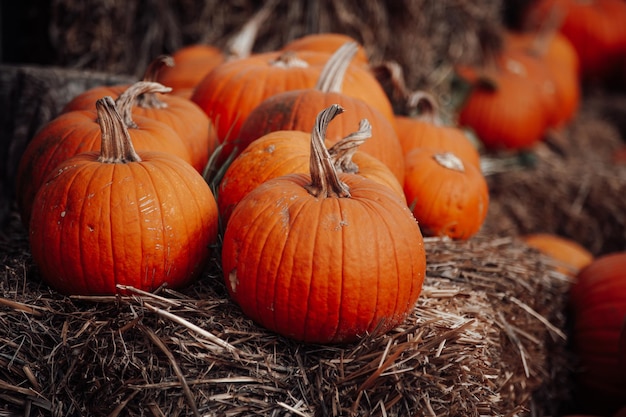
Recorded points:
(318, 242)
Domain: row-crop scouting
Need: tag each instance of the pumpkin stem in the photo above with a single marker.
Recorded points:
(333, 73)
(324, 179)
(129, 98)
(424, 106)
(116, 146)
(343, 151)
(289, 59)
(154, 68)
(241, 45)
(450, 161)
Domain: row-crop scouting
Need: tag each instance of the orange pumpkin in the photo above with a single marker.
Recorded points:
(447, 197)
(233, 89)
(505, 108)
(286, 152)
(569, 255)
(327, 42)
(555, 63)
(119, 217)
(598, 300)
(183, 116)
(426, 130)
(193, 62)
(325, 257)
(296, 110)
(76, 132)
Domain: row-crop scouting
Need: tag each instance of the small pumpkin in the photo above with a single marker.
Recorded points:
(76, 132)
(183, 116)
(121, 217)
(427, 130)
(286, 152)
(296, 110)
(191, 63)
(447, 196)
(569, 255)
(327, 42)
(598, 301)
(325, 257)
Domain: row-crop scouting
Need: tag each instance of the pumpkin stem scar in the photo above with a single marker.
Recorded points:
(325, 181)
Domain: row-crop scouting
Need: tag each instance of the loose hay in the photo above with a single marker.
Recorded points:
(485, 339)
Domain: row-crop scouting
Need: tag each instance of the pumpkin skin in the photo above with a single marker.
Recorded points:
(598, 301)
(230, 92)
(328, 268)
(570, 256)
(281, 153)
(109, 218)
(414, 133)
(297, 109)
(76, 132)
(326, 42)
(447, 197)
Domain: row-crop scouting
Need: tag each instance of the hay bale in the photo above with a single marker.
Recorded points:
(572, 187)
(486, 338)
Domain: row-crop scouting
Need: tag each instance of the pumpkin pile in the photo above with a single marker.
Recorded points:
(359, 272)
(317, 194)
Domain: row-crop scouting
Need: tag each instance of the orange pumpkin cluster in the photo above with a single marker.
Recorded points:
(329, 213)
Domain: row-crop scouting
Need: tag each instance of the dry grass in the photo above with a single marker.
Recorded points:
(485, 339)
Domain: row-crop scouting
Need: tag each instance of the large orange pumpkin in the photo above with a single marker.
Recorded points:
(233, 89)
(286, 152)
(447, 196)
(296, 110)
(598, 299)
(78, 131)
(323, 258)
(118, 217)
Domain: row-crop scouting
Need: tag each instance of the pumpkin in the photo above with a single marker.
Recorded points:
(191, 63)
(505, 108)
(595, 29)
(233, 89)
(118, 217)
(325, 257)
(598, 300)
(286, 152)
(447, 197)
(568, 254)
(327, 42)
(551, 49)
(427, 130)
(182, 115)
(297, 109)
(76, 132)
